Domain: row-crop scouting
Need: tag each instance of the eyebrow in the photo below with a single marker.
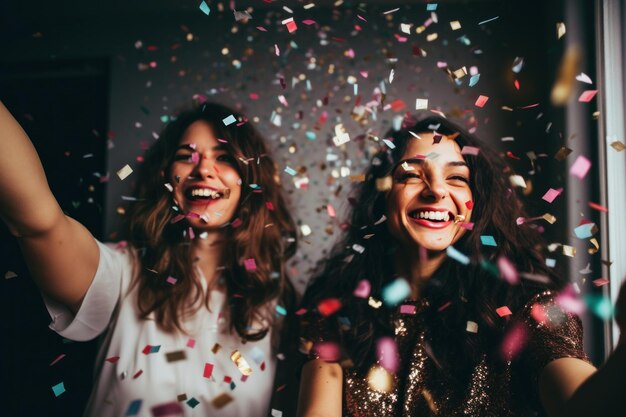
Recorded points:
(187, 147)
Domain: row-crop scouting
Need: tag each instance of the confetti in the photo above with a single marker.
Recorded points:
(408, 309)
(618, 145)
(457, 255)
(208, 370)
(363, 289)
(205, 8)
(379, 379)
(580, 167)
(327, 351)
(481, 101)
(560, 30)
(517, 181)
(507, 270)
(229, 120)
(329, 306)
(10, 274)
(471, 326)
(488, 240)
(551, 194)
(58, 389)
(421, 103)
(600, 282)
(124, 172)
(503, 311)
(133, 408)
(171, 280)
(584, 78)
(166, 409)
(396, 291)
(585, 231)
(587, 96)
(387, 353)
(598, 207)
(58, 358)
(470, 150)
(250, 264)
(562, 153)
(241, 362)
(178, 355)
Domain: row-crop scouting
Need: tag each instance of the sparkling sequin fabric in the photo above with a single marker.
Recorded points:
(507, 389)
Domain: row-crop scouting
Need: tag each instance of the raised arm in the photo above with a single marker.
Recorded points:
(321, 390)
(61, 254)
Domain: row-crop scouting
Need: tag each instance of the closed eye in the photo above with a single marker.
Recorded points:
(228, 158)
(182, 157)
(408, 176)
(459, 178)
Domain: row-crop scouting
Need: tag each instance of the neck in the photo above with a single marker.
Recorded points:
(208, 254)
(417, 266)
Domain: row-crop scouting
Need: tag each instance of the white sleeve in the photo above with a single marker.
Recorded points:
(100, 301)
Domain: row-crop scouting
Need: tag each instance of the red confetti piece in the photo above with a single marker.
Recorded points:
(443, 307)
(329, 306)
(253, 96)
(114, 359)
(516, 83)
(503, 311)
(481, 101)
(58, 358)
(236, 223)
(269, 206)
(587, 96)
(208, 370)
(327, 351)
(469, 204)
(514, 341)
(137, 374)
(600, 282)
(598, 207)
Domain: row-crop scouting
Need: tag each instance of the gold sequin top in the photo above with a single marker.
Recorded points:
(510, 389)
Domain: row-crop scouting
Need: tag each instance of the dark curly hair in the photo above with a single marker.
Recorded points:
(266, 232)
(473, 291)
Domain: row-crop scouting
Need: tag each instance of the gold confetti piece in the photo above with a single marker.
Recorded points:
(560, 30)
(431, 37)
(471, 326)
(455, 25)
(562, 153)
(357, 178)
(596, 247)
(379, 379)
(564, 85)
(216, 348)
(383, 184)
(457, 74)
(430, 401)
(618, 146)
(569, 251)
(420, 29)
(549, 218)
(181, 397)
(124, 172)
(221, 400)
(178, 355)
(374, 303)
(241, 363)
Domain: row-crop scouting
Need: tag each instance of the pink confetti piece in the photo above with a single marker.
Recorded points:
(470, 150)
(171, 280)
(261, 28)
(600, 282)
(538, 313)
(208, 370)
(408, 309)
(598, 207)
(269, 206)
(191, 343)
(191, 233)
(580, 167)
(331, 211)
(444, 306)
(327, 351)
(387, 352)
(503, 311)
(468, 226)
(507, 270)
(58, 358)
(166, 409)
(514, 342)
(250, 264)
(361, 17)
(309, 22)
(481, 100)
(587, 96)
(551, 194)
(363, 289)
(253, 96)
(276, 50)
(236, 223)
(291, 26)
(364, 74)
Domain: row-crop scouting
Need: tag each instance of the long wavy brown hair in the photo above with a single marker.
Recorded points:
(264, 231)
(474, 290)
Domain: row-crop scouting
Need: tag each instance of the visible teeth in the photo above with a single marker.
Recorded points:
(433, 215)
(205, 192)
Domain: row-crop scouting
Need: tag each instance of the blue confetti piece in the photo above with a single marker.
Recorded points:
(474, 80)
(600, 305)
(281, 310)
(255, 186)
(311, 135)
(585, 231)
(133, 408)
(431, 7)
(396, 292)
(155, 349)
(165, 119)
(551, 263)
(192, 402)
(389, 143)
(257, 355)
(229, 120)
(457, 256)
(206, 10)
(232, 385)
(58, 389)
(290, 171)
(488, 240)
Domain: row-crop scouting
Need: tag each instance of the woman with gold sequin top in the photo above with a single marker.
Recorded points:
(438, 301)
(188, 309)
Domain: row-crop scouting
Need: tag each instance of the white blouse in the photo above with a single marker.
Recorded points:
(142, 371)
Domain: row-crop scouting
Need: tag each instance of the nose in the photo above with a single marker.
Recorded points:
(205, 167)
(434, 186)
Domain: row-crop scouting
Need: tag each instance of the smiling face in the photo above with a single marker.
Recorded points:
(207, 184)
(427, 202)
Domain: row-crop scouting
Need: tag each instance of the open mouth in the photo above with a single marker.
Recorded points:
(432, 216)
(205, 195)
